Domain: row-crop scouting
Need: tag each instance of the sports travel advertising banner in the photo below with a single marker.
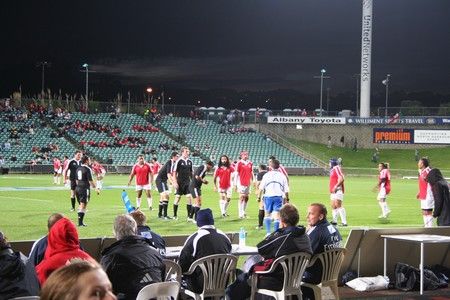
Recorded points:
(393, 136)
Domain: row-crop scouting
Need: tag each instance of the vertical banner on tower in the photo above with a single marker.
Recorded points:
(366, 53)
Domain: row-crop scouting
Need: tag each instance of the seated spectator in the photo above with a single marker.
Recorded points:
(132, 262)
(16, 279)
(63, 245)
(288, 239)
(145, 231)
(323, 236)
(206, 241)
(78, 280)
(38, 249)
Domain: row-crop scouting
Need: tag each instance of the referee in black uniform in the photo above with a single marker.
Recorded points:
(72, 166)
(162, 186)
(82, 190)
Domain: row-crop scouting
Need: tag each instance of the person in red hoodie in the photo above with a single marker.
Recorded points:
(63, 245)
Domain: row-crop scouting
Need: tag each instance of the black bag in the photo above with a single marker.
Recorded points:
(407, 278)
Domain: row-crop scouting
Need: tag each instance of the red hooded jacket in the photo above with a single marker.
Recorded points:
(63, 245)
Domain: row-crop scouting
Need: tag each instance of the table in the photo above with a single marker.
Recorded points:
(418, 239)
(174, 252)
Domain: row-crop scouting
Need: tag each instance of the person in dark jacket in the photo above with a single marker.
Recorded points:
(206, 241)
(132, 262)
(323, 236)
(16, 278)
(38, 249)
(440, 189)
(288, 239)
(145, 231)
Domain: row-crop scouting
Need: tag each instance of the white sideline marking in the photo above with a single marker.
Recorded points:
(19, 198)
(54, 188)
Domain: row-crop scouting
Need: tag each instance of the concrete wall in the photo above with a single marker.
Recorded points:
(362, 133)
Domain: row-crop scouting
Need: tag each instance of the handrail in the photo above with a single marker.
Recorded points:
(294, 148)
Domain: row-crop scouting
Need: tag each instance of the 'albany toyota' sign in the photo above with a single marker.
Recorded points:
(306, 120)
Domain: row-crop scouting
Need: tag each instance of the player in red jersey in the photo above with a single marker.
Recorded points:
(156, 166)
(144, 178)
(57, 168)
(425, 194)
(99, 172)
(223, 178)
(337, 192)
(244, 178)
(384, 188)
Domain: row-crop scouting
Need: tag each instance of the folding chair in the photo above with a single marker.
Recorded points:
(331, 264)
(217, 271)
(160, 291)
(294, 266)
(173, 270)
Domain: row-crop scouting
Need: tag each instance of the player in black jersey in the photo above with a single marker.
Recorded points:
(195, 187)
(71, 168)
(262, 170)
(181, 174)
(82, 190)
(163, 176)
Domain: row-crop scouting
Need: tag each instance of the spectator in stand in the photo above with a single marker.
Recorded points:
(78, 280)
(323, 236)
(288, 239)
(16, 278)
(38, 249)
(145, 231)
(63, 245)
(206, 241)
(439, 188)
(132, 262)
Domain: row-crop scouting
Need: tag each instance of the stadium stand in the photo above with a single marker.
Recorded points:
(212, 140)
(27, 140)
(119, 138)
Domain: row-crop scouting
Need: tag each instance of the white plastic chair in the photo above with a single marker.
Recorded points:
(331, 264)
(217, 270)
(173, 270)
(160, 291)
(294, 266)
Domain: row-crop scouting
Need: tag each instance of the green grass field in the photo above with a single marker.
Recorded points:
(25, 211)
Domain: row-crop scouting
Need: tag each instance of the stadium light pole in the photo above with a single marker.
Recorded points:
(86, 66)
(322, 77)
(43, 64)
(149, 90)
(386, 83)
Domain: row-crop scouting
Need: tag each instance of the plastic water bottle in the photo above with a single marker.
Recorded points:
(242, 237)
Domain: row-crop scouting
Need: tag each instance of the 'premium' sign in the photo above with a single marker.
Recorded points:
(393, 136)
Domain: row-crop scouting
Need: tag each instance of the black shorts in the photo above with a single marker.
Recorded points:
(83, 194)
(161, 186)
(195, 191)
(73, 184)
(183, 189)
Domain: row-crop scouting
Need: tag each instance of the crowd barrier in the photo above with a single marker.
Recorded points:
(95, 246)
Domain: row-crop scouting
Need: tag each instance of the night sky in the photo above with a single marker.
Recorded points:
(213, 44)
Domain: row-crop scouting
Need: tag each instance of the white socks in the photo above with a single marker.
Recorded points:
(343, 215)
(428, 221)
